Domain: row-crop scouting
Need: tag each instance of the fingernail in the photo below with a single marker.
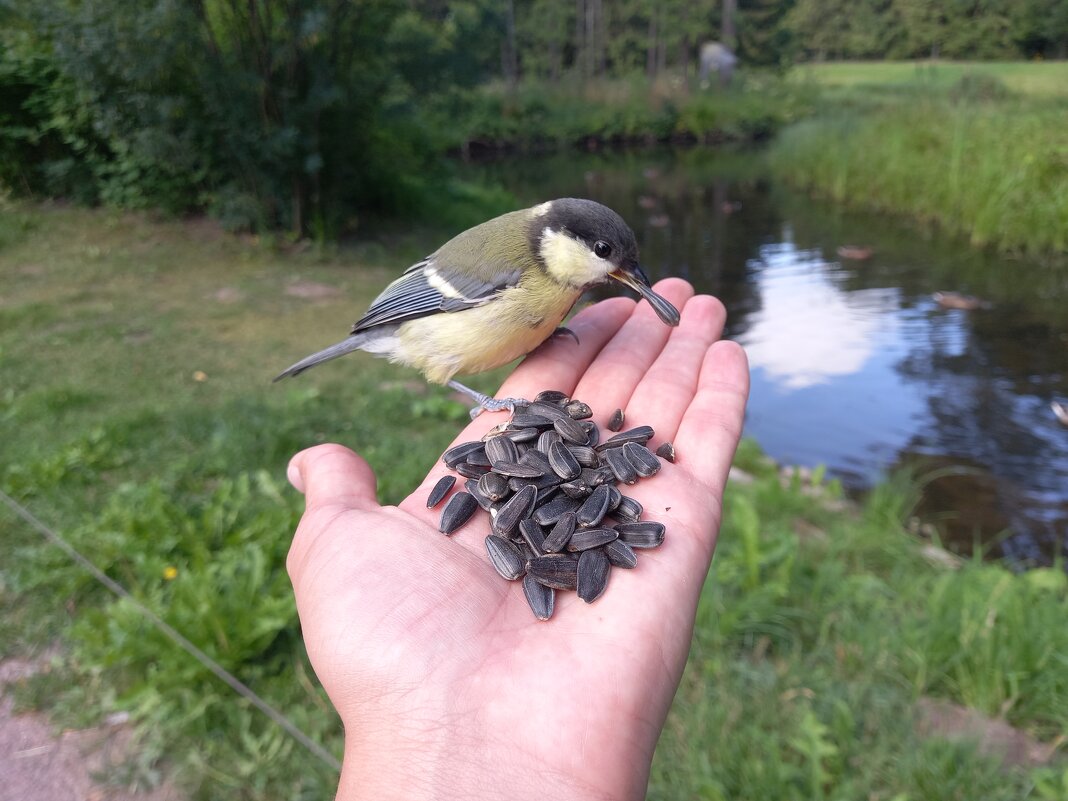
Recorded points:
(294, 476)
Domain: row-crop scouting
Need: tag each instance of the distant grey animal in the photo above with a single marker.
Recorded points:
(717, 58)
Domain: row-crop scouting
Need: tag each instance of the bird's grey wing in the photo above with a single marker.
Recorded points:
(432, 286)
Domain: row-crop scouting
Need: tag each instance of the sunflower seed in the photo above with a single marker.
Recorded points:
(571, 430)
(494, 486)
(506, 558)
(472, 486)
(540, 597)
(517, 508)
(641, 435)
(615, 497)
(644, 461)
(554, 570)
(560, 534)
(621, 467)
(584, 455)
(620, 554)
(441, 489)
(533, 536)
(536, 458)
(577, 410)
(585, 538)
(550, 512)
(471, 470)
(594, 508)
(551, 410)
(501, 449)
(457, 512)
(547, 438)
(539, 483)
(628, 511)
(615, 422)
(459, 453)
(521, 434)
(593, 433)
(593, 570)
(563, 462)
(577, 489)
(544, 493)
(551, 396)
(666, 451)
(517, 470)
(528, 420)
(646, 534)
(479, 459)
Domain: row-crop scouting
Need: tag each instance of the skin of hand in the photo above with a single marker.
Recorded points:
(447, 686)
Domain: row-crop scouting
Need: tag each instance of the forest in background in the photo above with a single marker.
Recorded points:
(302, 115)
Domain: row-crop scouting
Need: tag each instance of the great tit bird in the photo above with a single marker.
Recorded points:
(496, 292)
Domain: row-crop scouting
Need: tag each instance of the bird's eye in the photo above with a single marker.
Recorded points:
(602, 249)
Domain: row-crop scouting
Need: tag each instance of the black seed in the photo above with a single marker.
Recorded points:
(544, 493)
(457, 512)
(584, 455)
(644, 461)
(629, 510)
(551, 512)
(441, 489)
(494, 486)
(517, 470)
(621, 467)
(620, 554)
(518, 507)
(615, 422)
(521, 434)
(472, 486)
(577, 410)
(539, 483)
(506, 557)
(571, 430)
(551, 396)
(577, 489)
(596, 476)
(471, 470)
(536, 458)
(563, 462)
(459, 453)
(585, 538)
(666, 451)
(641, 435)
(551, 410)
(479, 459)
(593, 433)
(528, 420)
(501, 449)
(554, 570)
(647, 534)
(540, 597)
(546, 440)
(593, 569)
(615, 497)
(533, 536)
(560, 534)
(594, 508)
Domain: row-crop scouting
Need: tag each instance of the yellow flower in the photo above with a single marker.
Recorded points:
(170, 572)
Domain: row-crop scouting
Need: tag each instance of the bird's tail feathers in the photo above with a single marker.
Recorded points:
(354, 342)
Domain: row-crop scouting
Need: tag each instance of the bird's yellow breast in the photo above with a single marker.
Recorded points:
(510, 325)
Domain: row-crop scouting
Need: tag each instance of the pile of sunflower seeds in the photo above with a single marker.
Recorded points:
(557, 516)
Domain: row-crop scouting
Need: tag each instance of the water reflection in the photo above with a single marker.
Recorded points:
(854, 364)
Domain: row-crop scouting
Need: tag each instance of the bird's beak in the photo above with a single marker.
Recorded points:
(634, 277)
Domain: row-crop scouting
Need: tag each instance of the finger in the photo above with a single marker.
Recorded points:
(712, 425)
(624, 360)
(332, 475)
(665, 392)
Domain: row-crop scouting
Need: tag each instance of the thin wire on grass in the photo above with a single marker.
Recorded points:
(222, 673)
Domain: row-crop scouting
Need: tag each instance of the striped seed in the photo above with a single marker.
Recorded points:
(472, 486)
(517, 508)
(577, 489)
(471, 470)
(551, 410)
(457, 512)
(629, 510)
(644, 460)
(593, 570)
(542, 599)
(533, 536)
(547, 438)
(494, 486)
(441, 489)
(615, 497)
(521, 434)
(539, 483)
(563, 462)
(529, 420)
(558, 571)
(557, 539)
(621, 467)
(593, 433)
(577, 410)
(620, 554)
(594, 508)
(571, 430)
(501, 449)
(585, 538)
(506, 558)
(641, 435)
(584, 455)
(459, 453)
(517, 470)
(666, 451)
(646, 534)
(551, 397)
(535, 458)
(552, 511)
(596, 476)
(615, 422)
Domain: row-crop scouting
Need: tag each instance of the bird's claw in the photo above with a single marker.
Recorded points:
(564, 331)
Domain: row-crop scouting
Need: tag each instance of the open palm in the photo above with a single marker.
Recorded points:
(447, 685)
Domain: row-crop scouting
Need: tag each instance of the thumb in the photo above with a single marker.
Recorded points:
(332, 475)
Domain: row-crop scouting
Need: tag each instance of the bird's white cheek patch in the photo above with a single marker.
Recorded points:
(569, 261)
(542, 209)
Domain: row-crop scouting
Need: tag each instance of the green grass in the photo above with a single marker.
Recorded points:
(818, 630)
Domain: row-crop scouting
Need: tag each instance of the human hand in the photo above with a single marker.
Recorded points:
(447, 685)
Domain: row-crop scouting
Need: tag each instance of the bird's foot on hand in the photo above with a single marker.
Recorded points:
(485, 402)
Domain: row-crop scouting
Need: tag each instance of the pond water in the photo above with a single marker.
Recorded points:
(855, 365)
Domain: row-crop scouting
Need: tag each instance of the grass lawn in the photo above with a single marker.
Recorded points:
(135, 359)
